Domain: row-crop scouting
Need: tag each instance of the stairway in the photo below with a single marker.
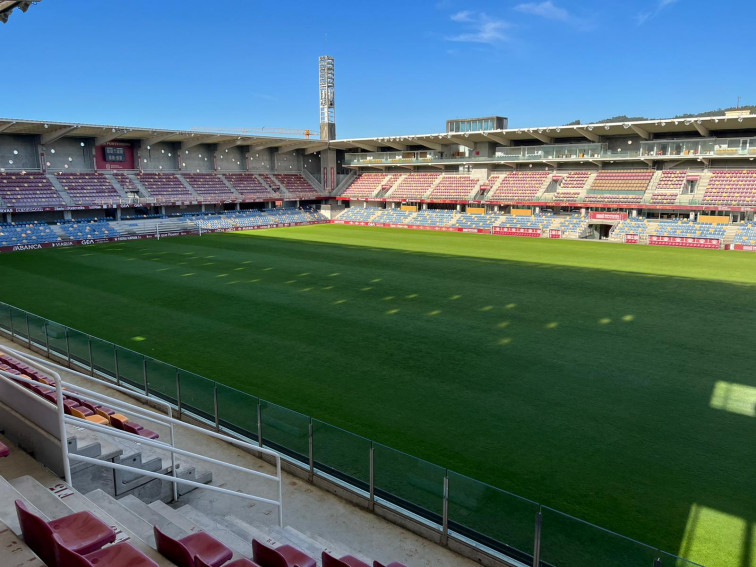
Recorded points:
(118, 187)
(189, 187)
(60, 189)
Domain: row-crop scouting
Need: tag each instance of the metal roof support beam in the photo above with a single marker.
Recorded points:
(645, 134)
(56, 135)
(265, 145)
(432, 145)
(365, 146)
(4, 127)
(498, 139)
(395, 145)
(156, 139)
(315, 149)
(228, 145)
(461, 142)
(589, 135)
(191, 142)
(105, 138)
(291, 147)
(703, 130)
(542, 137)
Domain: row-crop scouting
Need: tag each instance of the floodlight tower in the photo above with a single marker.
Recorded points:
(327, 106)
(328, 160)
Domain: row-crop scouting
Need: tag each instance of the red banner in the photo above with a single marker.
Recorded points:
(413, 226)
(516, 231)
(683, 242)
(555, 234)
(744, 247)
(607, 216)
(631, 239)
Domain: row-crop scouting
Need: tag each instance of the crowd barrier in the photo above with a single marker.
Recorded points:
(464, 513)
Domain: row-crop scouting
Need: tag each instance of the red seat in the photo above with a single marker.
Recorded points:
(131, 427)
(184, 551)
(282, 556)
(346, 561)
(4, 451)
(243, 562)
(81, 532)
(119, 555)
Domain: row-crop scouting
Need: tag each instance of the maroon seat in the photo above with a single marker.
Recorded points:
(282, 556)
(131, 427)
(184, 551)
(119, 555)
(81, 532)
(243, 562)
(392, 564)
(329, 560)
(4, 451)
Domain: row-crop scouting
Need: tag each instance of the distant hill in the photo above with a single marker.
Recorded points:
(624, 118)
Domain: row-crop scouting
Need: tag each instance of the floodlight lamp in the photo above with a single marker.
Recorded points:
(15, 152)
(663, 124)
(558, 129)
(740, 119)
(81, 144)
(149, 148)
(606, 127)
(626, 125)
(590, 128)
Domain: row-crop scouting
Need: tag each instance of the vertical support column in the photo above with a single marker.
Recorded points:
(537, 539)
(445, 517)
(259, 423)
(178, 393)
(115, 358)
(215, 407)
(371, 503)
(312, 456)
(91, 355)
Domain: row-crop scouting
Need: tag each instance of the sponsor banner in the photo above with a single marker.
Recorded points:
(90, 241)
(744, 247)
(683, 242)
(516, 231)
(631, 239)
(607, 216)
(414, 226)
(555, 233)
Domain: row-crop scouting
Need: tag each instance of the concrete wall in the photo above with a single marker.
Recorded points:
(21, 150)
(197, 159)
(162, 156)
(621, 143)
(311, 163)
(70, 154)
(288, 162)
(232, 159)
(260, 160)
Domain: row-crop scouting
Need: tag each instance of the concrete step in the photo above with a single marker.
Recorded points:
(172, 515)
(129, 519)
(218, 529)
(15, 552)
(8, 495)
(304, 543)
(152, 516)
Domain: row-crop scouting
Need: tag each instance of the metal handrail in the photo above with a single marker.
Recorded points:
(63, 419)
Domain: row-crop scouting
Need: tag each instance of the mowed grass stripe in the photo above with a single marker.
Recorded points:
(577, 374)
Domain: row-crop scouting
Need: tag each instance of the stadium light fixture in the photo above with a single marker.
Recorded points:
(52, 151)
(590, 128)
(740, 119)
(149, 148)
(15, 152)
(663, 124)
(606, 127)
(626, 125)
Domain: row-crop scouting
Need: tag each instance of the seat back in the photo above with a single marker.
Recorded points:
(67, 558)
(172, 549)
(329, 560)
(267, 556)
(37, 534)
(117, 422)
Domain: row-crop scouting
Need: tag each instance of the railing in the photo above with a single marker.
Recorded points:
(143, 414)
(456, 507)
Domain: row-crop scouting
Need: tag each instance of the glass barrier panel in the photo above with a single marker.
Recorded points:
(5, 317)
(79, 345)
(103, 357)
(197, 395)
(130, 367)
(669, 560)
(341, 454)
(56, 338)
(409, 482)
(237, 411)
(569, 542)
(493, 517)
(18, 322)
(161, 380)
(285, 430)
(37, 333)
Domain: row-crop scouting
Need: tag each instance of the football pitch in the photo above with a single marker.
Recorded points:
(615, 383)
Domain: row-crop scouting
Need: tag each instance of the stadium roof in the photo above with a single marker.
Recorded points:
(647, 129)
(7, 7)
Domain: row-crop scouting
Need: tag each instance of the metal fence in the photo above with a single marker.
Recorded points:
(455, 506)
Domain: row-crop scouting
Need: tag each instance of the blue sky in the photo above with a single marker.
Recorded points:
(401, 67)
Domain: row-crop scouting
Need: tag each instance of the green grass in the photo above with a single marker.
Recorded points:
(576, 374)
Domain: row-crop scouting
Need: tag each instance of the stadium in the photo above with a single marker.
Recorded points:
(507, 346)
